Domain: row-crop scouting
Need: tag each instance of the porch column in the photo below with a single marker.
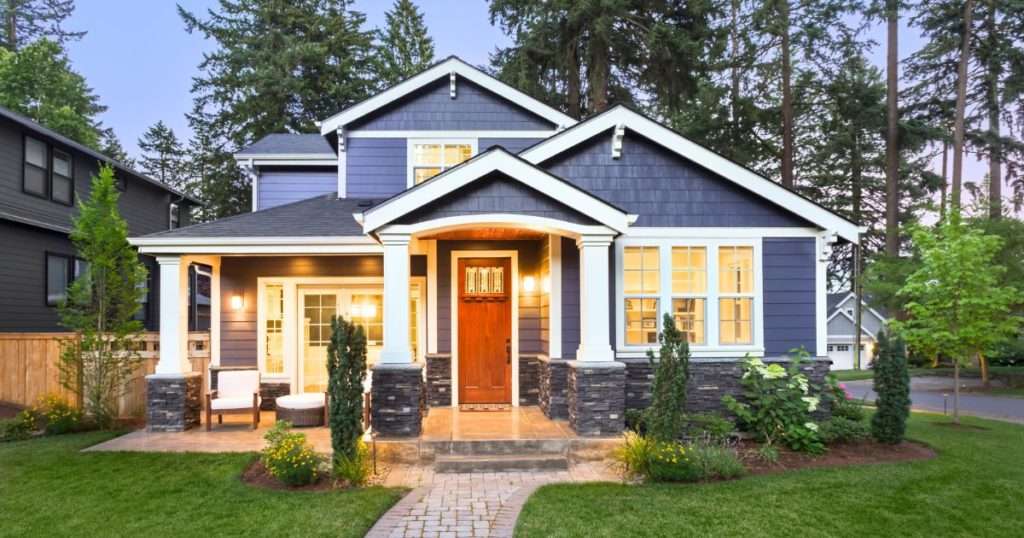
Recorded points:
(173, 393)
(396, 299)
(596, 382)
(594, 301)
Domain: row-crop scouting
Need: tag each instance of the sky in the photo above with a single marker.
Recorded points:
(139, 59)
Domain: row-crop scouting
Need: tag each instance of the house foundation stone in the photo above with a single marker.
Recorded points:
(553, 389)
(398, 399)
(597, 397)
(439, 380)
(173, 402)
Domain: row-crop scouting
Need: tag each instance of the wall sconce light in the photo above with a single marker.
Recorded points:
(236, 302)
(529, 284)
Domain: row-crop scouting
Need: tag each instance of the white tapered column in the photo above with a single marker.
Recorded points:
(396, 348)
(173, 316)
(594, 306)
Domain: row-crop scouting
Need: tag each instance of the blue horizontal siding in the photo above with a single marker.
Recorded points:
(278, 188)
(432, 108)
(375, 167)
(789, 294)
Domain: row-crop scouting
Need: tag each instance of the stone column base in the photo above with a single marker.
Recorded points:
(597, 397)
(398, 398)
(439, 380)
(173, 401)
(553, 375)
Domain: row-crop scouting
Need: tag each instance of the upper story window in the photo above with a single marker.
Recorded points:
(62, 182)
(427, 158)
(173, 216)
(35, 167)
(61, 271)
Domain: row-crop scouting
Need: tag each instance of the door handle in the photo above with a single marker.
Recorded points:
(508, 351)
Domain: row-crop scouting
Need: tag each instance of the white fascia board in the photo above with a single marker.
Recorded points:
(257, 245)
(527, 222)
(268, 159)
(720, 232)
(451, 134)
(688, 149)
(495, 161)
(443, 70)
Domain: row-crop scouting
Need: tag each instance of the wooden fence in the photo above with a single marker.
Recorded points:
(29, 371)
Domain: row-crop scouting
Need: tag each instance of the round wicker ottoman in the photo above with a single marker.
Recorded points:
(302, 410)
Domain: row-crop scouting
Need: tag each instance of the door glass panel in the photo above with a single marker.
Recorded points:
(367, 310)
(316, 327)
(274, 345)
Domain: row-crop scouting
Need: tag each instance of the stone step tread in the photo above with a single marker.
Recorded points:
(514, 462)
(499, 447)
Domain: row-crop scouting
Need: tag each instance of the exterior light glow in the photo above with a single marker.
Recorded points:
(236, 302)
(529, 284)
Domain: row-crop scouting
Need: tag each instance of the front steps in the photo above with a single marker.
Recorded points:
(495, 463)
(498, 455)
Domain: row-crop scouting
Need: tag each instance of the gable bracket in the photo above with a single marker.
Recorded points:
(451, 84)
(341, 139)
(830, 239)
(617, 136)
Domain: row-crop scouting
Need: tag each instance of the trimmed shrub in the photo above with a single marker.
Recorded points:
(709, 426)
(664, 418)
(288, 457)
(58, 416)
(671, 461)
(18, 428)
(843, 430)
(892, 385)
(346, 368)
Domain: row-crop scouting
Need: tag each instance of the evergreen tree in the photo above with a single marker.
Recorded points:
(25, 21)
(163, 156)
(405, 47)
(892, 385)
(111, 146)
(38, 81)
(215, 175)
(276, 67)
(346, 370)
(664, 418)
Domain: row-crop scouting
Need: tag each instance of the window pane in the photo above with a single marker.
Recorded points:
(427, 154)
(273, 306)
(57, 271)
(640, 266)
(35, 180)
(35, 152)
(81, 266)
(422, 174)
(735, 326)
(689, 270)
(61, 164)
(641, 321)
(62, 191)
(689, 318)
(456, 153)
(736, 269)
(368, 311)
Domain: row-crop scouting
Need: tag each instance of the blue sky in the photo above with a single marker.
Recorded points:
(139, 59)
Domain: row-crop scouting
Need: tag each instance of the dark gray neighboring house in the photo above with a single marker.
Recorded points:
(42, 175)
(498, 252)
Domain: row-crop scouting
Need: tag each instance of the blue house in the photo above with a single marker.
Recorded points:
(497, 252)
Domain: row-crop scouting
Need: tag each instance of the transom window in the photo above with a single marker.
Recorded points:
(429, 158)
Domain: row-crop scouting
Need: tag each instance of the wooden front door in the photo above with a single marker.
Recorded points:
(485, 330)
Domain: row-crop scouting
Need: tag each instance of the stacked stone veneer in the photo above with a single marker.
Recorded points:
(398, 399)
(439, 380)
(173, 402)
(597, 398)
(270, 391)
(529, 380)
(710, 379)
(553, 392)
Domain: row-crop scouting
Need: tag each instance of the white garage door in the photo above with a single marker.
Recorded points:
(841, 355)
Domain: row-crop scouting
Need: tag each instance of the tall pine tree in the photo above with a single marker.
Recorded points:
(405, 46)
(26, 21)
(163, 156)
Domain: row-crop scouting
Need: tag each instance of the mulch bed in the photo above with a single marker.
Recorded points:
(863, 453)
(256, 475)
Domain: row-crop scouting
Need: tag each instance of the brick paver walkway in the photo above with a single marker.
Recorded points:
(477, 504)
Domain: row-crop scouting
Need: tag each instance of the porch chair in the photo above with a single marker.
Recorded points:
(238, 392)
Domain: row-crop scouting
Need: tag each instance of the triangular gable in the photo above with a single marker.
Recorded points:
(452, 66)
(839, 309)
(484, 167)
(620, 118)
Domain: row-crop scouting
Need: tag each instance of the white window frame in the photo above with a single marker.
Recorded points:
(711, 347)
(173, 216)
(411, 143)
(690, 295)
(719, 294)
(643, 296)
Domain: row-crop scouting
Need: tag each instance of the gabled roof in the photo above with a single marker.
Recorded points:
(65, 141)
(621, 116)
(444, 69)
(310, 144)
(496, 159)
(836, 300)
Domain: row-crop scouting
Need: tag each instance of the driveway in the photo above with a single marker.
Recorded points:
(936, 394)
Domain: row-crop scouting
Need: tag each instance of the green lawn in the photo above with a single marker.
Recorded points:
(48, 488)
(973, 488)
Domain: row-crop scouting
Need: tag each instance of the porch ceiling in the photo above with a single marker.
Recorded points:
(488, 233)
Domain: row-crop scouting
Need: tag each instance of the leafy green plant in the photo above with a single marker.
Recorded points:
(839, 401)
(716, 461)
(671, 461)
(634, 455)
(346, 368)
(892, 385)
(18, 428)
(778, 405)
(664, 418)
(58, 416)
(356, 470)
(843, 430)
(768, 454)
(288, 457)
(710, 426)
(635, 421)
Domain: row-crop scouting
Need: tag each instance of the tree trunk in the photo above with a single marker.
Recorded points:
(12, 26)
(892, 155)
(956, 386)
(995, 176)
(598, 72)
(944, 186)
(572, 75)
(858, 260)
(787, 99)
(983, 366)
(961, 105)
(734, 87)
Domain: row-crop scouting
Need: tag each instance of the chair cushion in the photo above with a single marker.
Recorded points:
(239, 383)
(232, 403)
(306, 400)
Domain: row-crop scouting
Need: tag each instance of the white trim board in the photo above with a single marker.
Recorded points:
(690, 150)
(527, 222)
(454, 307)
(449, 134)
(441, 70)
(495, 160)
